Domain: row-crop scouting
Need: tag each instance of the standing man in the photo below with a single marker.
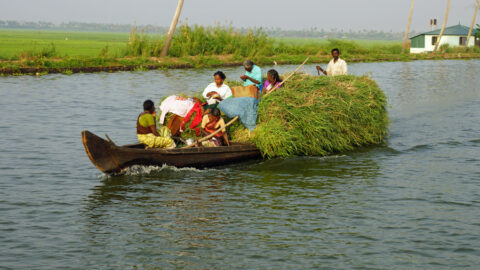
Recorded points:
(336, 66)
(253, 75)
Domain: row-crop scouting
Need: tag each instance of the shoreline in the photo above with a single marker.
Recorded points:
(68, 66)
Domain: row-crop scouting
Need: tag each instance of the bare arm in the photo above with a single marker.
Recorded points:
(154, 130)
(245, 77)
(321, 69)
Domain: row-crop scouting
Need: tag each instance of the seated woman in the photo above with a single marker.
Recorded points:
(179, 107)
(273, 80)
(210, 123)
(217, 91)
(147, 132)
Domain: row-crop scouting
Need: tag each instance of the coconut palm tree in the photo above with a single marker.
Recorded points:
(408, 27)
(473, 22)
(443, 26)
(172, 29)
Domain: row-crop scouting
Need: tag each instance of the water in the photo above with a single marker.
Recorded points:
(410, 204)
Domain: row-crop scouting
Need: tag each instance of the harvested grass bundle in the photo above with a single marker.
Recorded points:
(318, 116)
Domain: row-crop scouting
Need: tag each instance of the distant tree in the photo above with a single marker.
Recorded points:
(443, 26)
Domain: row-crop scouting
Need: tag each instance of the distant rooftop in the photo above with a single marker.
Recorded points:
(456, 30)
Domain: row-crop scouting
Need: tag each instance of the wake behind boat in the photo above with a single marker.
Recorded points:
(110, 158)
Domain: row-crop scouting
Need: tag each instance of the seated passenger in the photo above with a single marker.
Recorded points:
(147, 132)
(197, 113)
(253, 75)
(218, 88)
(180, 107)
(273, 80)
(210, 123)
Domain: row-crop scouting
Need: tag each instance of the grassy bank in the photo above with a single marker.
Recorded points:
(31, 52)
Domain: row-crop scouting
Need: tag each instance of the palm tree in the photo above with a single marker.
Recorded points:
(408, 27)
(172, 29)
(443, 26)
(473, 22)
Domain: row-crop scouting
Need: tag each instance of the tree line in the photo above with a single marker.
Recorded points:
(313, 32)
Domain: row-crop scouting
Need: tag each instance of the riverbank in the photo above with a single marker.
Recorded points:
(43, 52)
(72, 65)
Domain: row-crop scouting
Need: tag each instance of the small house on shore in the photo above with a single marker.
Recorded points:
(454, 36)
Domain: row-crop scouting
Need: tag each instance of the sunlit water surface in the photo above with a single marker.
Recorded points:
(410, 204)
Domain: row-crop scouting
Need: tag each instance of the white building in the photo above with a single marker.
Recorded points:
(454, 36)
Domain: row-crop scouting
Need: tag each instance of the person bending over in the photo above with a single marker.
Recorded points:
(147, 132)
(253, 75)
(336, 66)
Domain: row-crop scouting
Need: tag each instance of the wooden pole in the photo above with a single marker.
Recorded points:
(289, 76)
(443, 26)
(172, 29)
(473, 23)
(408, 27)
(212, 134)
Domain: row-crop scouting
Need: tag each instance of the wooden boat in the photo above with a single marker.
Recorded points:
(110, 158)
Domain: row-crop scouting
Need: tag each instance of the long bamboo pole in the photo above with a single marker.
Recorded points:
(443, 26)
(172, 29)
(473, 22)
(408, 27)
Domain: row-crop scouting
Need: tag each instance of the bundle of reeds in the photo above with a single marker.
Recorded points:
(315, 115)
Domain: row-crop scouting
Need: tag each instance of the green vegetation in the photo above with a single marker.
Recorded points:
(15, 43)
(27, 51)
(318, 116)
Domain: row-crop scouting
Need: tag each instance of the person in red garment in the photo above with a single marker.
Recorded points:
(210, 123)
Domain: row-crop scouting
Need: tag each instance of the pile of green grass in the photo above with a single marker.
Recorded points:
(315, 115)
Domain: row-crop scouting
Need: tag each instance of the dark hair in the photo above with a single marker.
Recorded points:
(148, 105)
(336, 49)
(215, 112)
(248, 63)
(274, 74)
(220, 74)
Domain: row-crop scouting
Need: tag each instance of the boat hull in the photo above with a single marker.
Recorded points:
(110, 158)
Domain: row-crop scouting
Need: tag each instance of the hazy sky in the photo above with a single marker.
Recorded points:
(294, 14)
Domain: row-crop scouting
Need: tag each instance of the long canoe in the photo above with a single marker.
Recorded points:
(110, 158)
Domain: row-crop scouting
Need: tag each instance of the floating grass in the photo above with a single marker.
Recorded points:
(315, 115)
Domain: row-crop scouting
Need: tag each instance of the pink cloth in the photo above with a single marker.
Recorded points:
(267, 84)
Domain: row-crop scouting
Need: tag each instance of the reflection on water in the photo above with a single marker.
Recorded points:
(411, 203)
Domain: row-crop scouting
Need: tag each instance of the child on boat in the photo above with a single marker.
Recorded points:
(210, 123)
(147, 132)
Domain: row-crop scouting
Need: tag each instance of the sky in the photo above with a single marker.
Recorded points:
(382, 15)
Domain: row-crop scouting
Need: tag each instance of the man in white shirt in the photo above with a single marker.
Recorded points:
(218, 87)
(336, 66)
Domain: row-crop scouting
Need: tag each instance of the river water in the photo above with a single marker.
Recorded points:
(412, 203)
